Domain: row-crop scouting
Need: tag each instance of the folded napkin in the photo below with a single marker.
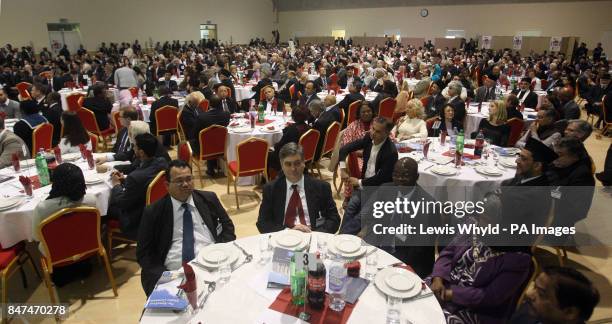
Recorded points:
(190, 285)
(465, 155)
(265, 122)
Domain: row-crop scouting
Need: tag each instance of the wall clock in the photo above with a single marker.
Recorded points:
(424, 12)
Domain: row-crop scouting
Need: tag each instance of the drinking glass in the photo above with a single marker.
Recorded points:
(322, 247)
(394, 310)
(264, 248)
(371, 264)
(225, 273)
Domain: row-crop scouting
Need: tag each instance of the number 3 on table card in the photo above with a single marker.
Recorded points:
(305, 261)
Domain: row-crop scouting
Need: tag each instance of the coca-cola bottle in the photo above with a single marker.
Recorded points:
(479, 144)
(316, 285)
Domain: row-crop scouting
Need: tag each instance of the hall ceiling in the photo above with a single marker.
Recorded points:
(295, 5)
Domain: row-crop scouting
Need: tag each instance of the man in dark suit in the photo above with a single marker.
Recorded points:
(524, 94)
(99, 105)
(309, 95)
(379, 155)
(569, 108)
(164, 100)
(486, 92)
(180, 224)
(436, 101)
(454, 93)
(595, 96)
(322, 81)
(264, 82)
(228, 103)
(122, 149)
(271, 102)
(214, 116)
(352, 96)
(168, 82)
(127, 199)
(555, 82)
(323, 118)
(53, 113)
(155, 72)
(348, 78)
(295, 200)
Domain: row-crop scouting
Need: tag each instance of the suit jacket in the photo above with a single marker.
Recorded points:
(101, 108)
(343, 81)
(481, 94)
(554, 84)
(570, 110)
(206, 119)
(9, 144)
(232, 105)
(385, 159)
(162, 101)
(171, 84)
(459, 106)
(25, 127)
(530, 100)
(11, 109)
(117, 149)
(127, 200)
(305, 100)
(513, 113)
(280, 104)
(321, 206)
(53, 114)
(577, 186)
(157, 226)
(189, 116)
(435, 106)
(348, 100)
(318, 82)
(160, 152)
(260, 85)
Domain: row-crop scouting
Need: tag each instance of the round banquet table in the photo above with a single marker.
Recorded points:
(65, 92)
(370, 95)
(474, 117)
(146, 109)
(466, 185)
(245, 91)
(16, 223)
(245, 298)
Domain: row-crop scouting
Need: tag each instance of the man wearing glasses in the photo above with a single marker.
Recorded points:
(176, 227)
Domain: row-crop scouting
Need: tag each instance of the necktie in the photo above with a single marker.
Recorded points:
(123, 142)
(188, 240)
(488, 93)
(225, 105)
(294, 208)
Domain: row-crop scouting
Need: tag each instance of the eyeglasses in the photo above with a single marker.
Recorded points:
(182, 180)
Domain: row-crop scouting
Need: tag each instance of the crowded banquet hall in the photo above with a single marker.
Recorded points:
(435, 161)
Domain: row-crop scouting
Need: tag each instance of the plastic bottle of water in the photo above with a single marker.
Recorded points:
(337, 286)
(453, 139)
(41, 168)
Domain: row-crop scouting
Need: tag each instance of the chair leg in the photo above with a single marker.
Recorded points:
(109, 238)
(560, 257)
(197, 163)
(229, 178)
(49, 283)
(236, 193)
(29, 256)
(109, 271)
(4, 290)
(24, 280)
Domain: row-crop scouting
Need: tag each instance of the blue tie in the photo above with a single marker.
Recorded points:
(188, 240)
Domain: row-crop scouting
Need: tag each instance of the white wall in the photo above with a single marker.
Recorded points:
(22, 21)
(585, 19)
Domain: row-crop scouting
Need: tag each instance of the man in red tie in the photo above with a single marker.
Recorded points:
(295, 200)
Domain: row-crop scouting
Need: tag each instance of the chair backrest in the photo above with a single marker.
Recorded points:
(262, 92)
(24, 89)
(134, 92)
(181, 129)
(184, 152)
(386, 108)
(117, 121)
(309, 141)
(70, 84)
(342, 116)
(157, 188)
(516, 127)
(544, 84)
(252, 155)
(330, 137)
(70, 234)
(292, 91)
(212, 142)
(425, 101)
(73, 101)
(93, 138)
(204, 105)
(89, 121)
(42, 137)
(429, 123)
(166, 118)
(352, 112)
(333, 79)
(534, 270)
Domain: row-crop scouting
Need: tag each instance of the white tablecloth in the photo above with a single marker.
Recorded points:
(474, 117)
(464, 186)
(245, 91)
(16, 223)
(146, 109)
(370, 95)
(65, 92)
(245, 298)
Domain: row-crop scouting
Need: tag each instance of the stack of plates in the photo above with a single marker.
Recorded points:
(509, 151)
(216, 255)
(347, 246)
(69, 157)
(8, 203)
(290, 240)
(398, 283)
(445, 170)
(27, 163)
(488, 170)
(242, 130)
(265, 129)
(93, 178)
(508, 162)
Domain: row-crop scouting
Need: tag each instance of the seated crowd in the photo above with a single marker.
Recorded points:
(474, 281)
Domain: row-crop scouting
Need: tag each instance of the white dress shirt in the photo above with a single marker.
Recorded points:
(302, 193)
(201, 233)
(371, 166)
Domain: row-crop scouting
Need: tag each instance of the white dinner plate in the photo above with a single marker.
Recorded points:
(242, 130)
(290, 240)
(488, 170)
(93, 178)
(346, 243)
(509, 151)
(445, 170)
(209, 254)
(71, 156)
(508, 162)
(266, 130)
(361, 251)
(9, 203)
(398, 282)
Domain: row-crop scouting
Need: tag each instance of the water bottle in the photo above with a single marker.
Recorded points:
(261, 113)
(41, 168)
(459, 149)
(337, 286)
(453, 139)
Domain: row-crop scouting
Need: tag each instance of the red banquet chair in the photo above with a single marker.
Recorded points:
(116, 120)
(68, 236)
(251, 159)
(94, 142)
(90, 123)
(41, 137)
(386, 108)
(24, 90)
(157, 188)
(328, 144)
(12, 259)
(74, 101)
(184, 152)
(352, 112)
(134, 92)
(212, 146)
(203, 105)
(167, 120)
(516, 128)
(429, 123)
(308, 141)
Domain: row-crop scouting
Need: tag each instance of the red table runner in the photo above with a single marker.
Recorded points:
(323, 316)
